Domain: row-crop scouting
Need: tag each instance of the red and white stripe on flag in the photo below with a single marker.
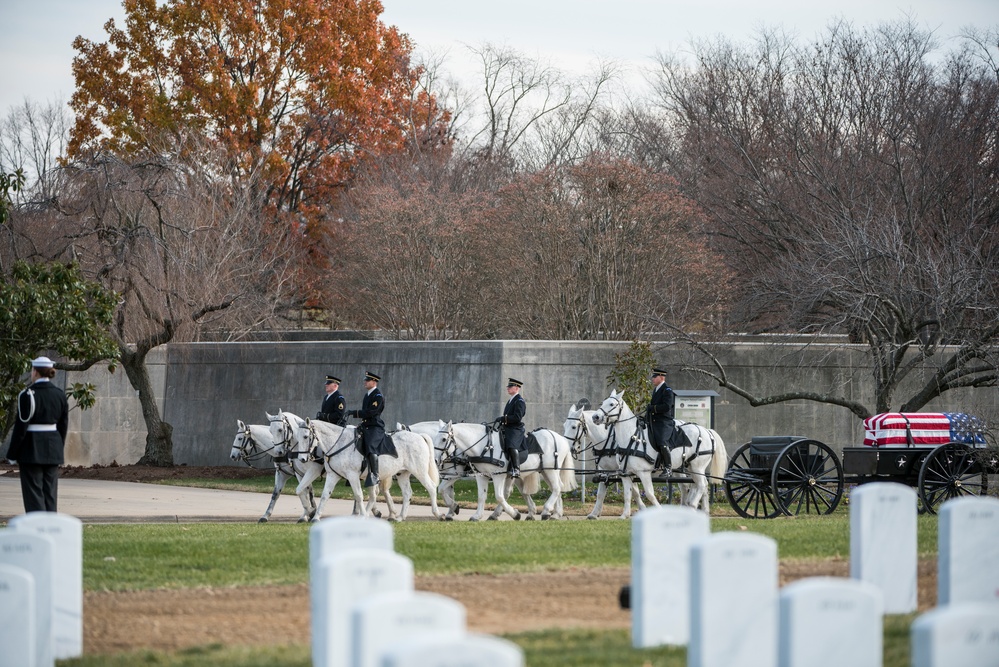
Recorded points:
(901, 429)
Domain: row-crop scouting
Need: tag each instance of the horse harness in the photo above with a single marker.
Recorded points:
(248, 443)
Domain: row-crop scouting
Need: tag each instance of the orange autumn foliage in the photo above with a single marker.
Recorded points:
(296, 90)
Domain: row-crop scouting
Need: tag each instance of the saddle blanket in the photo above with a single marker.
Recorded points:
(898, 429)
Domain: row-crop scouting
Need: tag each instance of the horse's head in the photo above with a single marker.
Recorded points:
(306, 442)
(612, 409)
(242, 444)
(573, 429)
(282, 432)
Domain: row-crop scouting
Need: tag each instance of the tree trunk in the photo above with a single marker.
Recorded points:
(159, 434)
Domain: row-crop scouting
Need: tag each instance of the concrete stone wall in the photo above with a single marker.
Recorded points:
(206, 387)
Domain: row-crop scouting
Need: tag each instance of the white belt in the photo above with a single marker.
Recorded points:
(41, 427)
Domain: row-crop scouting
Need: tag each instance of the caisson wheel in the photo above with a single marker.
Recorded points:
(807, 478)
(748, 488)
(951, 471)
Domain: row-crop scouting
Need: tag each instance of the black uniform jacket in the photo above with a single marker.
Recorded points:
(372, 426)
(50, 407)
(659, 415)
(334, 409)
(513, 422)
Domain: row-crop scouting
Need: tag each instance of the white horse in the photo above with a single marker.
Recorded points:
(704, 447)
(450, 469)
(254, 443)
(477, 446)
(584, 435)
(453, 469)
(336, 447)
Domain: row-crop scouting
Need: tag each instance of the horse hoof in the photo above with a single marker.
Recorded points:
(516, 517)
(377, 514)
(591, 517)
(262, 519)
(457, 510)
(491, 518)
(303, 520)
(473, 519)
(545, 517)
(529, 517)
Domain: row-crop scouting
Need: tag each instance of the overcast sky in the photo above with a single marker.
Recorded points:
(36, 35)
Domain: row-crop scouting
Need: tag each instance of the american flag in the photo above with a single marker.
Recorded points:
(897, 429)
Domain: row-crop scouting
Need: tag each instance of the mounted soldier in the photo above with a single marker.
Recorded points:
(334, 407)
(373, 440)
(511, 424)
(660, 414)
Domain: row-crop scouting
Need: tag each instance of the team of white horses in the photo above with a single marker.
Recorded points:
(439, 453)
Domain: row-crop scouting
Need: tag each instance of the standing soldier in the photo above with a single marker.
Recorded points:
(659, 415)
(512, 423)
(39, 437)
(334, 407)
(372, 427)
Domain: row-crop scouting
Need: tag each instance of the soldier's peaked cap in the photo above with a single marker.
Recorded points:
(659, 371)
(330, 378)
(368, 375)
(514, 383)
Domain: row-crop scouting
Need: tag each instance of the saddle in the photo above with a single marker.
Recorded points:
(530, 446)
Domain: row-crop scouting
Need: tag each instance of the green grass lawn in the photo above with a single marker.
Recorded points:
(144, 556)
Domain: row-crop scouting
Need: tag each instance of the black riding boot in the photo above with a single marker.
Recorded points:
(513, 463)
(372, 478)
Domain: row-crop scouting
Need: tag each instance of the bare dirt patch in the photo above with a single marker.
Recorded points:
(496, 604)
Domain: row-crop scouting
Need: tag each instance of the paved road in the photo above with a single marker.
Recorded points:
(94, 501)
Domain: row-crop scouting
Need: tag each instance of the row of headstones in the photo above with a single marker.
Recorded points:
(366, 613)
(41, 589)
(731, 613)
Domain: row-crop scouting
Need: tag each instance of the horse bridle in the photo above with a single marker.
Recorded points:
(244, 446)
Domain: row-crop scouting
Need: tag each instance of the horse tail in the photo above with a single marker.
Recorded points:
(567, 471)
(432, 470)
(531, 483)
(719, 460)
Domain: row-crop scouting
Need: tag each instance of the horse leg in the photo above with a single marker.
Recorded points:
(482, 485)
(598, 506)
(507, 489)
(280, 479)
(424, 479)
(626, 493)
(331, 481)
(645, 478)
(555, 483)
(304, 493)
(446, 489)
(406, 488)
(355, 486)
(500, 491)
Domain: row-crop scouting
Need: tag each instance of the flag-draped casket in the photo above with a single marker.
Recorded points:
(904, 429)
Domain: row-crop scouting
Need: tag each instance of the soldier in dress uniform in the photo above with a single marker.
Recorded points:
(39, 437)
(372, 427)
(334, 407)
(512, 423)
(660, 413)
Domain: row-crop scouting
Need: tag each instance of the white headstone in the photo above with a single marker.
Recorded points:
(470, 650)
(335, 536)
(963, 633)
(67, 535)
(34, 553)
(830, 622)
(968, 550)
(883, 548)
(342, 580)
(381, 620)
(661, 538)
(17, 617)
(733, 601)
